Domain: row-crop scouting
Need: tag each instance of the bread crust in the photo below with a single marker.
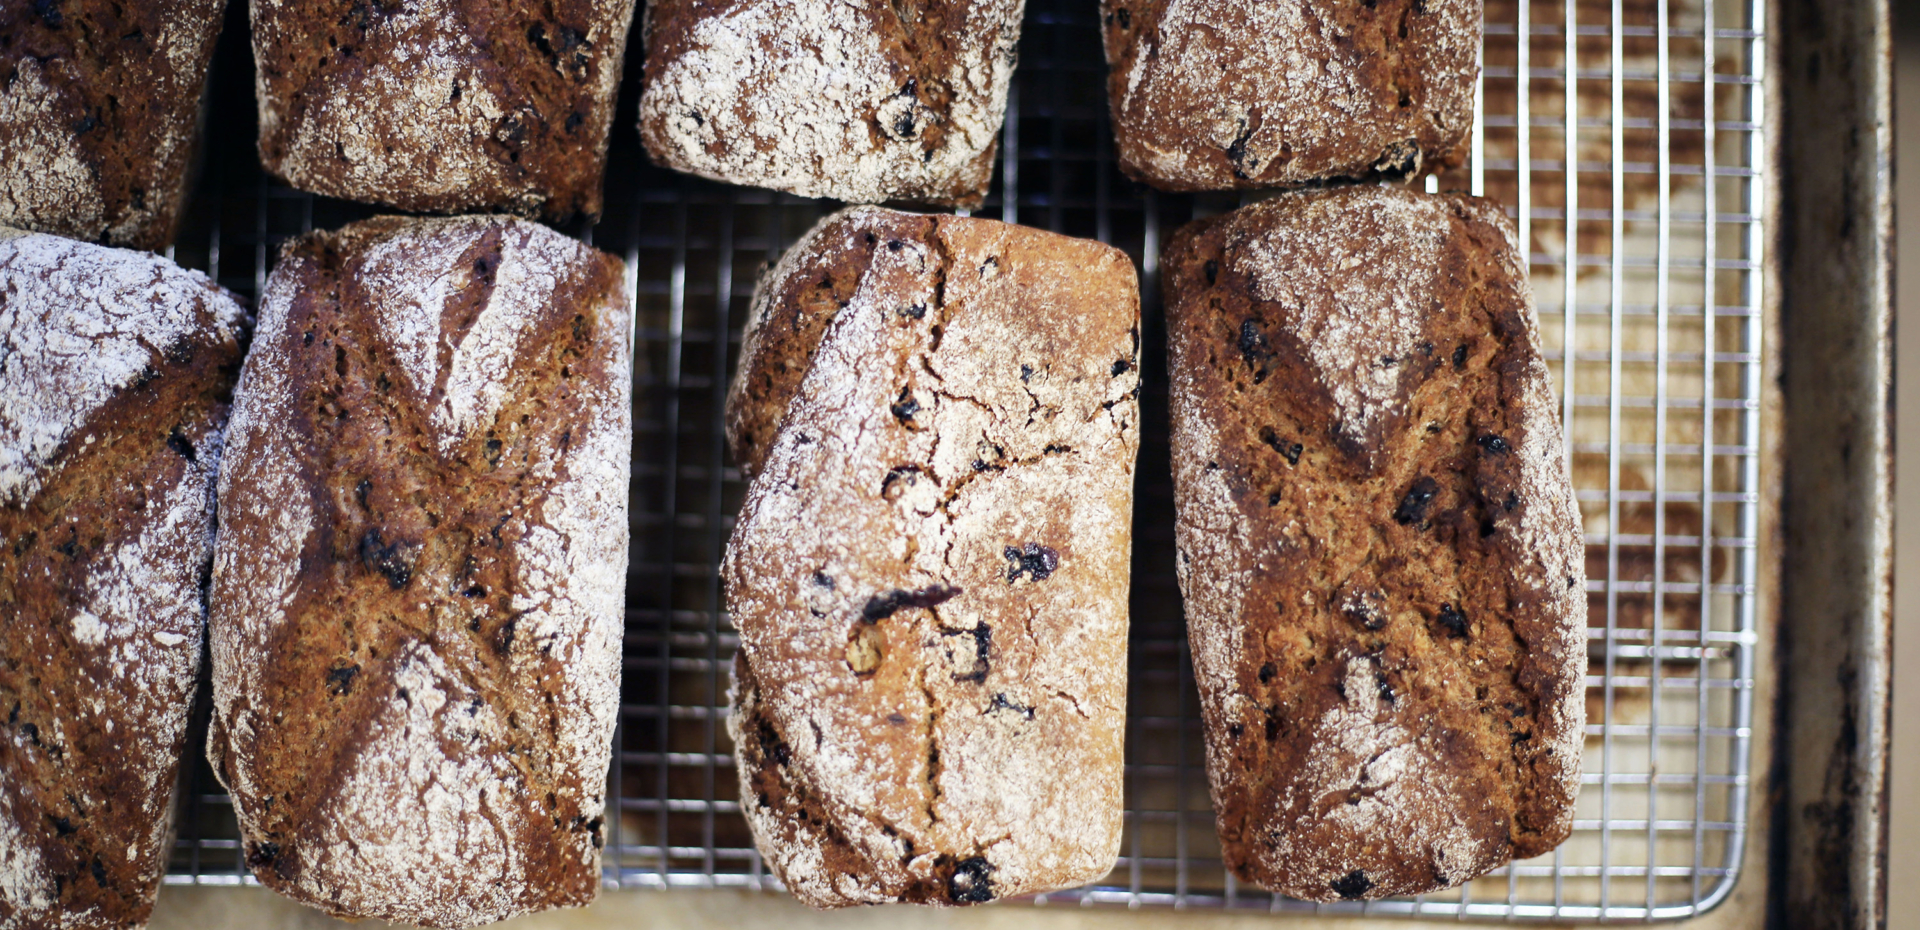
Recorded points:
(441, 106)
(99, 106)
(866, 101)
(929, 575)
(1379, 549)
(115, 371)
(1227, 94)
(418, 582)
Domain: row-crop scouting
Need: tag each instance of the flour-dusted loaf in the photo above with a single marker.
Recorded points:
(441, 106)
(418, 582)
(115, 370)
(859, 100)
(99, 105)
(1378, 543)
(1224, 94)
(929, 575)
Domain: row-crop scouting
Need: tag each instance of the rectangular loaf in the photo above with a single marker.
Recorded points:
(929, 575)
(99, 114)
(1227, 94)
(115, 371)
(868, 101)
(443, 106)
(417, 588)
(1378, 542)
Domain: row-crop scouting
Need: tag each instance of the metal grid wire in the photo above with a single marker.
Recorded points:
(1624, 136)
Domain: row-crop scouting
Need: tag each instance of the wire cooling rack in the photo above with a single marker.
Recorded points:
(1624, 136)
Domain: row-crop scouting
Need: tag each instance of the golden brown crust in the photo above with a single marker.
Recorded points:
(1210, 95)
(1378, 545)
(929, 575)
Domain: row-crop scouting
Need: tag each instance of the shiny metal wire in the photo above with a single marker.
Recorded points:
(1624, 137)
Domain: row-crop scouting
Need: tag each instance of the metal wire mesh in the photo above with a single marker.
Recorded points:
(1624, 136)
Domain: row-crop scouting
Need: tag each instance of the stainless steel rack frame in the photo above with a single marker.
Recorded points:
(1630, 142)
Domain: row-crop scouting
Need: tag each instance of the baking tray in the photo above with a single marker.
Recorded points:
(1653, 292)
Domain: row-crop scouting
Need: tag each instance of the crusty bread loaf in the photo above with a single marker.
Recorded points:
(115, 368)
(861, 100)
(1379, 548)
(417, 587)
(1224, 94)
(99, 104)
(442, 106)
(929, 575)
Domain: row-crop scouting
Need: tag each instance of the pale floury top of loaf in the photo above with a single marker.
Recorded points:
(831, 99)
(51, 132)
(428, 114)
(81, 326)
(78, 324)
(423, 816)
(930, 572)
(1222, 94)
(1360, 277)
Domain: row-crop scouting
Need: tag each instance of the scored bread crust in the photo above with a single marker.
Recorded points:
(929, 575)
(442, 106)
(1225, 94)
(99, 114)
(115, 368)
(418, 582)
(866, 101)
(1379, 548)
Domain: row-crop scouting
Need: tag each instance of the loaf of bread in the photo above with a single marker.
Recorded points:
(860, 100)
(929, 575)
(418, 581)
(115, 371)
(99, 105)
(1379, 548)
(441, 106)
(1225, 94)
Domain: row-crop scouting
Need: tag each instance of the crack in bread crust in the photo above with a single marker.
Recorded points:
(1378, 546)
(917, 398)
